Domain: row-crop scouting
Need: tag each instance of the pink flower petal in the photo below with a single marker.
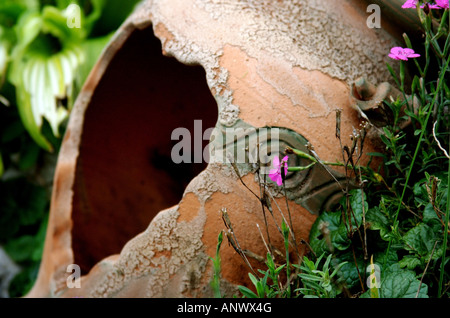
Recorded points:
(399, 53)
(412, 4)
(409, 4)
(273, 171)
(279, 181)
(276, 177)
(443, 4)
(397, 49)
(393, 56)
(276, 162)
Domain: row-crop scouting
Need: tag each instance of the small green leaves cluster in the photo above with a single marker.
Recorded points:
(314, 278)
(318, 283)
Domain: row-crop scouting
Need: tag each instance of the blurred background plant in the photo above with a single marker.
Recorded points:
(47, 49)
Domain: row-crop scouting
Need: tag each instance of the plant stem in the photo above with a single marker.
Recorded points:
(426, 267)
(447, 215)
(438, 88)
(286, 246)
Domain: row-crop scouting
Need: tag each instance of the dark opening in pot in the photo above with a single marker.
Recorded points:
(125, 174)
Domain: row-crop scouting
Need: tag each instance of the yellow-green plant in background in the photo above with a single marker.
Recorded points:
(47, 49)
(41, 54)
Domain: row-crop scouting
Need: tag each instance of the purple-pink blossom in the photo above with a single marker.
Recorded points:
(443, 4)
(440, 4)
(410, 4)
(275, 173)
(399, 53)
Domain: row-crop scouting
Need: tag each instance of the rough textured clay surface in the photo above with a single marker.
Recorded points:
(253, 63)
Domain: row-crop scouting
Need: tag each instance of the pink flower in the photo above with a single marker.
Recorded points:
(411, 4)
(275, 174)
(399, 53)
(442, 3)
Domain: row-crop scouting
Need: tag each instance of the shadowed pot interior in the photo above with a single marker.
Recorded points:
(125, 173)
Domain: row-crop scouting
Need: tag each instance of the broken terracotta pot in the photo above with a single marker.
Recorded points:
(140, 225)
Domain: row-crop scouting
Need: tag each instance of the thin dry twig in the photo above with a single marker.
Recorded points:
(437, 141)
(232, 239)
(426, 267)
(264, 241)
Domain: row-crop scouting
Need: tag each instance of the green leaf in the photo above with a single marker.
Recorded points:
(21, 248)
(279, 269)
(430, 218)
(262, 285)
(113, 13)
(421, 239)
(29, 156)
(247, 292)
(311, 296)
(219, 244)
(337, 269)
(311, 277)
(378, 221)
(12, 131)
(380, 257)
(26, 115)
(28, 247)
(22, 203)
(253, 279)
(44, 69)
(92, 48)
(40, 240)
(328, 229)
(359, 205)
(410, 262)
(55, 22)
(310, 264)
(3, 57)
(401, 283)
(348, 271)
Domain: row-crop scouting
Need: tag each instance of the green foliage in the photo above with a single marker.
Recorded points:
(215, 283)
(318, 283)
(403, 220)
(315, 280)
(400, 283)
(387, 238)
(48, 49)
(23, 223)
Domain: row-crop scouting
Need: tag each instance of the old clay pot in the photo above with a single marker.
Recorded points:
(139, 225)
